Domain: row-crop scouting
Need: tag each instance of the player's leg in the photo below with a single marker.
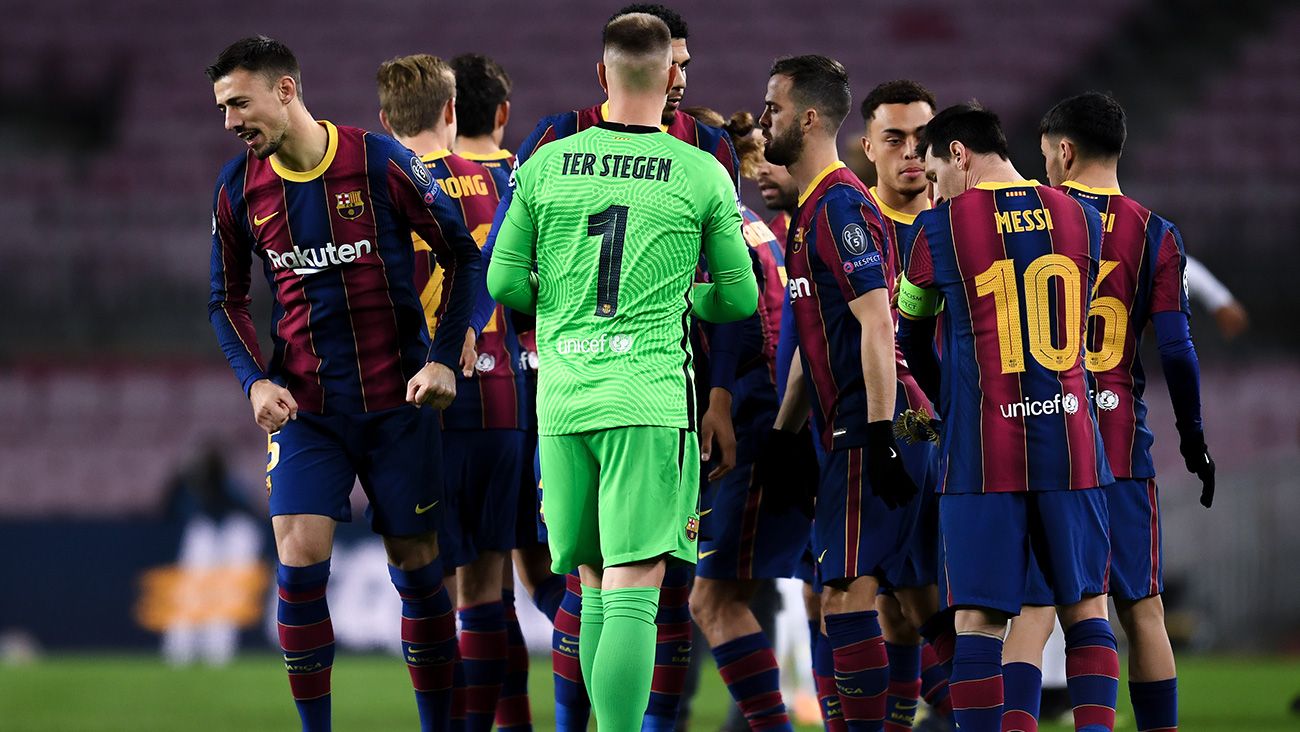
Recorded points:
(903, 650)
(1136, 581)
(572, 700)
(674, 639)
(399, 455)
(743, 654)
(513, 713)
(823, 659)
(570, 479)
(309, 477)
(649, 491)
(483, 469)
(1022, 663)
(985, 557)
(1071, 541)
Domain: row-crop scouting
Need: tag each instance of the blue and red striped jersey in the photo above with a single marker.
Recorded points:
(335, 242)
(1014, 263)
(493, 398)
(836, 253)
(780, 226)
(1141, 273)
(499, 164)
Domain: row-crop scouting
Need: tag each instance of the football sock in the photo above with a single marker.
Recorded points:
(458, 693)
(622, 665)
(428, 641)
(307, 639)
(483, 648)
(934, 682)
(1092, 674)
(572, 705)
(748, 667)
(672, 650)
(824, 676)
(976, 683)
(1022, 685)
(1155, 705)
(593, 626)
(513, 713)
(861, 668)
(904, 691)
(548, 595)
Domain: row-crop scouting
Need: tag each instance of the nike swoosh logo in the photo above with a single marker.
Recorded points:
(418, 651)
(288, 659)
(823, 556)
(421, 510)
(892, 454)
(259, 220)
(709, 553)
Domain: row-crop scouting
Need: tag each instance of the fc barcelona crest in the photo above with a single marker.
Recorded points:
(692, 528)
(797, 243)
(350, 205)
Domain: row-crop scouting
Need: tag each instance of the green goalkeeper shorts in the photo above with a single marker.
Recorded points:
(621, 495)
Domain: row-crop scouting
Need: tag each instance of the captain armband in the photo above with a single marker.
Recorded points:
(917, 302)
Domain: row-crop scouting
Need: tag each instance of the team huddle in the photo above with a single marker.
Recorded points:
(922, 398)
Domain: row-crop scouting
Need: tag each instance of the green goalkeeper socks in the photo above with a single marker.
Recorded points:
(589, 632)
(624, 663)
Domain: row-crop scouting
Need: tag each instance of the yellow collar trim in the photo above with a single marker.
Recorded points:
(435, 155)
(903, 218)
(1090, 189)
(478, 157)
(604, 115)
(299, 176)
(999, 185)
(817, 181)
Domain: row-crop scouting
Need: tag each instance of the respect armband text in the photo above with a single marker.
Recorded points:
(917, 302)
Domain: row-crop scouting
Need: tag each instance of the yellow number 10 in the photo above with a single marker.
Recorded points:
(999, 280)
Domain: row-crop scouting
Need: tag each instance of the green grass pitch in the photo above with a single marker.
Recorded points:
(139, 693)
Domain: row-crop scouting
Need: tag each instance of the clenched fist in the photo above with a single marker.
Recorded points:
(434, 385)
(273, 405)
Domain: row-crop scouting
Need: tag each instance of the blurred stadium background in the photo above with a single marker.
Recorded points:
(112, 390)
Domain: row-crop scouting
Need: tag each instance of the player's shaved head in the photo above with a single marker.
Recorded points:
(1093, 121)
(414, 91)
(259, 55)
(676, 26)
(820, 83)
(975, 127)
(638, 52)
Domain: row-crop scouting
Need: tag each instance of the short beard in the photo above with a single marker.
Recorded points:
(786, 149)
(272, 146)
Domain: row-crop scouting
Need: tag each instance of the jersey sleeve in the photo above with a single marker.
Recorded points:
(228, 300)
(432, 214)
(725, 152)
(917, 296)
(733, 292)
(1168, 287)
(854, 252)
(510, 276)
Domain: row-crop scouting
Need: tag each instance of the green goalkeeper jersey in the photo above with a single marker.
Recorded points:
(615, 219)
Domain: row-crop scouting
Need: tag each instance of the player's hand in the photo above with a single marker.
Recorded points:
(468, 354)
(889, 480)
(786, 468)
(716, 427)
(273, 405)
(434, 385)
(1199, 463)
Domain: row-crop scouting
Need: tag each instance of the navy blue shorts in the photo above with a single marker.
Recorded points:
(920, 565)
(742, 535)
(315, 460)
(992, 543)
(527, 520)
(854, 533)
(1136, 564)
(482, 479)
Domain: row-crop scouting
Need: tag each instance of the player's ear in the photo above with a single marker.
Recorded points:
(1068, 154)
(956, 151)
(383, 122)
(503, 114)
(601, 75)
(449, 112)
(866, 148)
(286, 89)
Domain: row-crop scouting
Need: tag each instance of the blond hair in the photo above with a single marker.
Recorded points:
(413, 91)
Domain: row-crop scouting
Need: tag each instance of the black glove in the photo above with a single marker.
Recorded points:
(889, 481)
(786, 468)
(1199, 463)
